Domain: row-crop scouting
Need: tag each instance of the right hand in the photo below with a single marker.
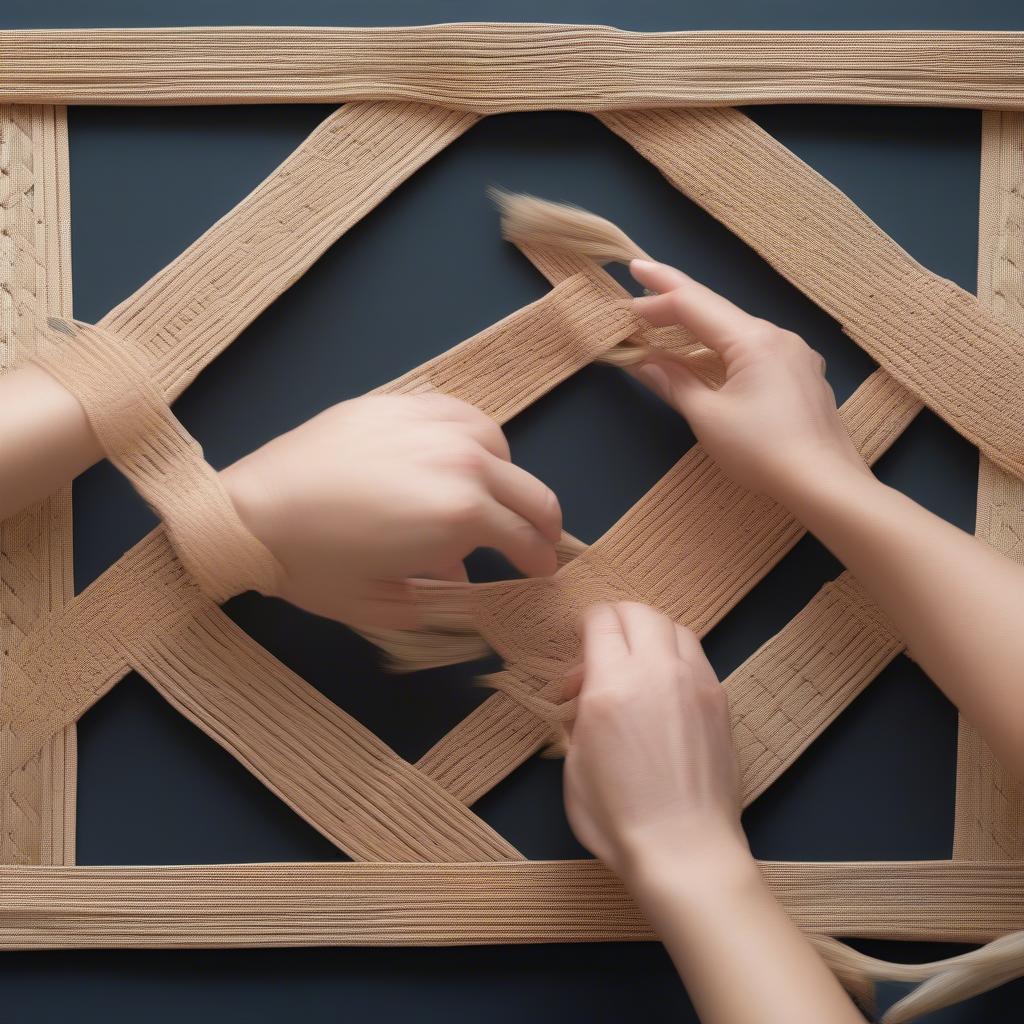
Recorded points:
(650, 772)
(379, 489)
(773, 424)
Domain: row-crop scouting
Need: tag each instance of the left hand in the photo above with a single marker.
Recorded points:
(381, 489)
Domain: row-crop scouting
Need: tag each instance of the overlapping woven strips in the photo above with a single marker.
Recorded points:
(37, 804)
(142, 437)
(433, 872)
(493, 68)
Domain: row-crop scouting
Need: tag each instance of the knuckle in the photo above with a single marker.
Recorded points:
(461, 508)
(495, 435)
(605, 703)
(687, 642)
(765, 334)
(461, 455)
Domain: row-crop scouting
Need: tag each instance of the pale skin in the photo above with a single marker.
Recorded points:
(378, 490)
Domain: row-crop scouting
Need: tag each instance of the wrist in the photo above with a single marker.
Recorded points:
(691, 860)
(253, 502)
(686, 887)
(814, 483)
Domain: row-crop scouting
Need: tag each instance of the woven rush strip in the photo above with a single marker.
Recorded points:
(780, 699)
(190, 311)
(695, 562)
(334, 772)
(989, 802)
(936, 339)
(513, 363)
(114, 623)
(37, 804)
(694, 545)
(494, 68)
(145, 441)
(244, 905)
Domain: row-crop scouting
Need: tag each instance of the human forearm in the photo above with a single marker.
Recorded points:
(741, 958)
(957, 602)
(47, 440)
(773, 426)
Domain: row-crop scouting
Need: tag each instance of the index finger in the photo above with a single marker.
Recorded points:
(710, 317)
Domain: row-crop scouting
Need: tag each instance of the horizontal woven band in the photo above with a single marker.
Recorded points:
(493, 68)
(469, 904)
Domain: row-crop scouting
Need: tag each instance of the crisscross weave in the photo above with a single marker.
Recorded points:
(432, 871)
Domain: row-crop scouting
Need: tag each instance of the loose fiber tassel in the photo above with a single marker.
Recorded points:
(527, 220)
(942, 982)
(449, 635)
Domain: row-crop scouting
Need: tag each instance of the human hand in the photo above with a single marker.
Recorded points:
(381, 489)
(650, 772)
(773, 425)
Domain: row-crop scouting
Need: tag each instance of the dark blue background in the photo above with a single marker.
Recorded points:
(423, 271)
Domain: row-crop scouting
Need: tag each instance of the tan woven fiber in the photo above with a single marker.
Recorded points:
(142, 438)
(467, 904)
(544, 342)
(431, 871)
(989, 804)
(936, 339)
(37, 804)
(491, 68)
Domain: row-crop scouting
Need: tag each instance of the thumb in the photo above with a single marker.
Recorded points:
(675, 384)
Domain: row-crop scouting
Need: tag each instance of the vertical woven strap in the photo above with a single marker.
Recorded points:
(37, 804)
(989, 803)
(936, 339)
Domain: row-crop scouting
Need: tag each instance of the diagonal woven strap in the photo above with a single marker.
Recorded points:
(114, 619)
(334, 772)
(936, 339)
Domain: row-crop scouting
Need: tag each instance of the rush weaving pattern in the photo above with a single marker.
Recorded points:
(425, 868)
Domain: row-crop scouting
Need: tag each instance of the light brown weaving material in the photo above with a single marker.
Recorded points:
(544, 341)
(467, 904)
(693, 546)
(493, 68)
(37, 804)
(989, 804)
(936, 339)
(142, 438)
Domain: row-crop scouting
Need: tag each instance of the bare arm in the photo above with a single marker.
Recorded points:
(47, 440)
(774, 428)
(651, 789)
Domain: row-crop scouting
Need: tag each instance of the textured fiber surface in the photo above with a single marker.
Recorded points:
(694, 546)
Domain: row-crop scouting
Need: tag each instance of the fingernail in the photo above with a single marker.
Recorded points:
(642, 264)
(656, 379)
